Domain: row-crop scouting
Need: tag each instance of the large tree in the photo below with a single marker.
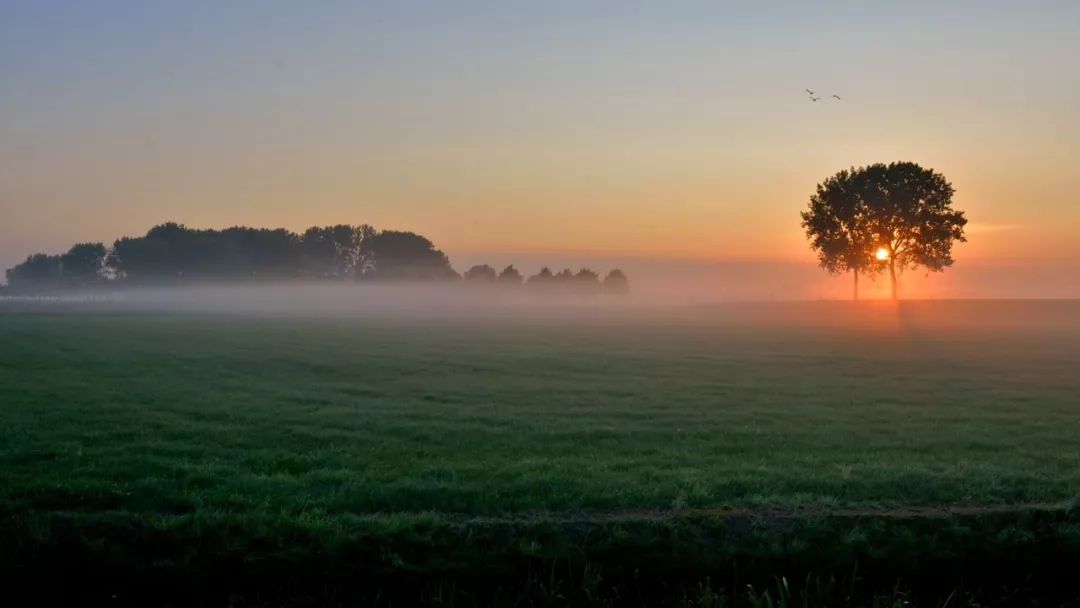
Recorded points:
(405, 255)
(83, 264)
(897, 216)
(836, 225)
(338, 252)
(910, 214)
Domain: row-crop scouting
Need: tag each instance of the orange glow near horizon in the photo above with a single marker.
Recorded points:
(494, 138)
(882, 254)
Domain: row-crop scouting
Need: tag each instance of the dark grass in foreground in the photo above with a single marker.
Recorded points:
(640, 457)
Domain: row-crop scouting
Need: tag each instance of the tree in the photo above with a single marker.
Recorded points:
(171, 252)
(510, 276)
(616, 282)
(338, 251)
(836, 225)
(37, 270)
(406, 255)
(911, 217)
(83, 264)
(481, 273)
(587, 281)
(542, 277)
(897, 216)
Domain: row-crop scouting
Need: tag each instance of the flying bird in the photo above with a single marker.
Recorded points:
(837, 97)
(812, 98)
(809, 91)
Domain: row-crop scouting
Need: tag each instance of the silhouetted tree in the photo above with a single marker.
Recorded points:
(38, 270)
(83, 264)
(336, 251)
(481, 273)
(406, 255)
(542, 277)
(836, 225)
(159, 255)
(616, 282)
(510, 276)
(895, 216)
(910, 214)
(565, 276)
(262, 253)
(586, 281)
(171, 252)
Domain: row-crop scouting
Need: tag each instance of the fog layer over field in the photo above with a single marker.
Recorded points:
(464, 303)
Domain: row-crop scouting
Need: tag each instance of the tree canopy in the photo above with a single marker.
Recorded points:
(510, 276)
(616, 282)
(482, 273)
(406, 255)
(897, 216)
(82, 265)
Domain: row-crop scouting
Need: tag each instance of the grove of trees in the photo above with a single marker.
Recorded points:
(172, 253)
(883, 217)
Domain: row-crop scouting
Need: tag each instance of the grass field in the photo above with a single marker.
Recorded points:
(568, 451)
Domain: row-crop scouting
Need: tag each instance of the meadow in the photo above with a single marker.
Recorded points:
(669, 454)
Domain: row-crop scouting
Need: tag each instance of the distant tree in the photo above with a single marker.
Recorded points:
(585, 275)
(83, 264)
(565, 276)
(616, 283)
(264, 253)
(171, 252)
(38, 270)
(481, 273)
(406, 255)
(167, 252)
(340, 251)
(586, 281)
(510, 276)
(542, 277)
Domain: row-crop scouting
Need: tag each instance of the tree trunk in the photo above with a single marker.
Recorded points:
(892, 276)
(856, 273)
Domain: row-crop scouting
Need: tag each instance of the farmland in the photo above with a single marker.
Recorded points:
(441, 454)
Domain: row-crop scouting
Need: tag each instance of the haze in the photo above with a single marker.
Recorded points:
(671, 139)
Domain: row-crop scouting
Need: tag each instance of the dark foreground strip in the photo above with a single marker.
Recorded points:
(921, 556)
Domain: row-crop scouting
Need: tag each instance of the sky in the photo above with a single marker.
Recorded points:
(661, 136)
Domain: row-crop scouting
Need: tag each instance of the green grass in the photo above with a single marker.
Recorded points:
(190, 437)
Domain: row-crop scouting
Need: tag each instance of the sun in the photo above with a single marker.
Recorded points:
(882, 254)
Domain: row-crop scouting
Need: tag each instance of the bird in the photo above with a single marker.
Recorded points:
(837, 97)
(812, 98)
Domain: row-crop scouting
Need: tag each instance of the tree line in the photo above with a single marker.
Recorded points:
(584, 280)
(173, 253)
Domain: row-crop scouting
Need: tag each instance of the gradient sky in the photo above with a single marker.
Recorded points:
(606, 130)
